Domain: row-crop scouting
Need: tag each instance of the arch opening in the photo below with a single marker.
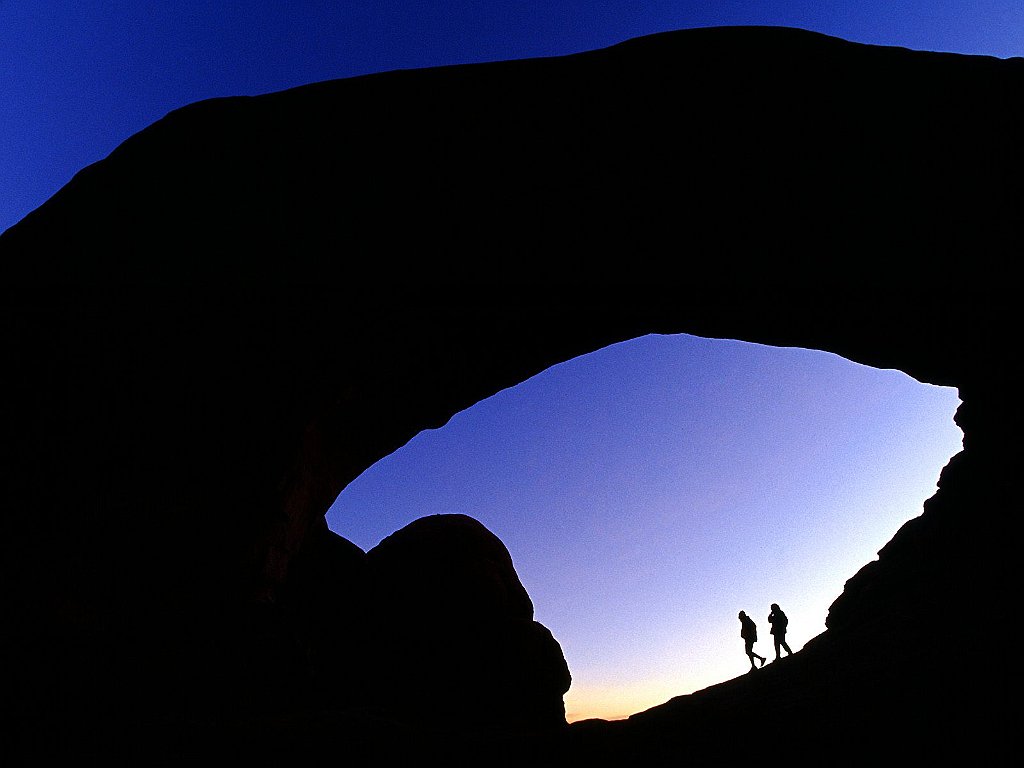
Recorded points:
(649, 490)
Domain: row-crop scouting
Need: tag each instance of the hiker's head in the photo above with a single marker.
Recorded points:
(775, 607)
(742, 615)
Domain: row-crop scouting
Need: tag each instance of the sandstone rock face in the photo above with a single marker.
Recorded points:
(207, 335)
(453, 630)
(326, 601)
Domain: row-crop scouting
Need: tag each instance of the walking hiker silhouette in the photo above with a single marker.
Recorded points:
(748, 631)
(779, 622)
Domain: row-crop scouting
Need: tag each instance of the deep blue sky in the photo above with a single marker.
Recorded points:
(78, 77)
(646, 492)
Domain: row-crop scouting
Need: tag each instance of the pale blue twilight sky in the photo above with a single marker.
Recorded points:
(651, 490)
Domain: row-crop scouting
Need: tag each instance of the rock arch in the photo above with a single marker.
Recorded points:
(221, 324)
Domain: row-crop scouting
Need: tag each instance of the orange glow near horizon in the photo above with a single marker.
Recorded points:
(615, 701)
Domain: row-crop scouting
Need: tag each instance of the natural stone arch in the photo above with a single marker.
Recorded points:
(254, 299)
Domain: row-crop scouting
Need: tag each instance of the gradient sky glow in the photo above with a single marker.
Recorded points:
(651, 490)
(78, 77)
(648, 491)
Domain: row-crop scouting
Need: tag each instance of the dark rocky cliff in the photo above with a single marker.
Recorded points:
(210, 333)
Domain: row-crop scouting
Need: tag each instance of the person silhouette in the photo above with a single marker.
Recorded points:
(748, 631)
(779, 622)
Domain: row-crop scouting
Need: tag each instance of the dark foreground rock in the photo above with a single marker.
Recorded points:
(454, 633)
(207, 335)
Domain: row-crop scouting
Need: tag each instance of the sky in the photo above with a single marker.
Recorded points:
(649, 491)
(646, 492)
(78, 77)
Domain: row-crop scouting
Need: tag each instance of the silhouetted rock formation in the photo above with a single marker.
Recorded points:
(326, 598)
(454, 635)
(210, 333)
